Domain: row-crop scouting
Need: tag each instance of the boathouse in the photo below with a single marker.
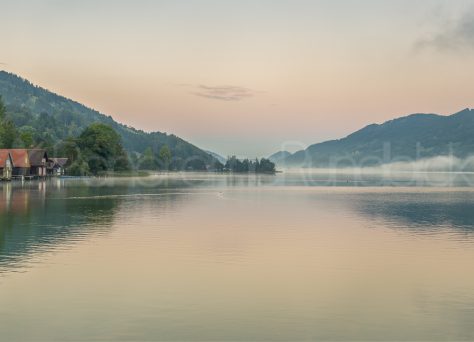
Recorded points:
(29, 163)
(38, 162)
(6, 165)
(57, 166)
(21, 162)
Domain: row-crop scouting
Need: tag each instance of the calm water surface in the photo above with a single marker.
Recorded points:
(295, 256)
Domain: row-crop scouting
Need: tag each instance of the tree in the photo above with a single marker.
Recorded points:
(46, 141)
(27, 136)
(101, 147)
(79, 167)
(69, 149)
(266, 166)
(147, 160)
(8, 133)
(122, 162)
(165, 157)
(76, 166)
(258, 166)
(230, 163)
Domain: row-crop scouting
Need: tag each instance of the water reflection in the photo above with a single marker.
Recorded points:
(420, 212)
(207, 257)
(39, 217)
(42, 216)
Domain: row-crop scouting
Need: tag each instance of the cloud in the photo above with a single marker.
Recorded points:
(456, 35)
(222, 93)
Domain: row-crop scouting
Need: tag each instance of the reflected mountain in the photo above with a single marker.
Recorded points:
(427, 212)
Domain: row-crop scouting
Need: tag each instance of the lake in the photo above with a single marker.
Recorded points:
(307, 255)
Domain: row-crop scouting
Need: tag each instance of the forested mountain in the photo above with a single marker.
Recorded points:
(278, 157)
(50, 118)
(412, 137)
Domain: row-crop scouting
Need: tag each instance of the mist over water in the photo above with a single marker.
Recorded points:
(441, 171)
(435, 164)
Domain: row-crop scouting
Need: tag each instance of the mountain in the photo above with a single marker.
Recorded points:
(218, 157)
(52, 117)
(279, 156)
(404, 139)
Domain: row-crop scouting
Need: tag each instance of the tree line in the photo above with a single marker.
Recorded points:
(263, 165)
(98, 149)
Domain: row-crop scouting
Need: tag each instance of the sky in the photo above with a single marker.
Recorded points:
(247, 77)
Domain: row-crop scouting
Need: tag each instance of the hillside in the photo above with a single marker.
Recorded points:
(408, 138)
(279, 156)
(217, 156)
(54, 118)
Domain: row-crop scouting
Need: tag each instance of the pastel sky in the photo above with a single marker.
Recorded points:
(247, 77)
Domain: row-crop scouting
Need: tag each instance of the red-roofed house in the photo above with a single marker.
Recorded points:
(21, 162)
(6, 165)
(30, 163)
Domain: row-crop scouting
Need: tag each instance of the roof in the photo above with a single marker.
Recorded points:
(36, 157)
(4, 156)
(20, 158)
(59, 161)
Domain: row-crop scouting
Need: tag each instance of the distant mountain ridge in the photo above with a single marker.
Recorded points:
(279, 156)
(411, 137)
(217, 156)
(59, 117)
